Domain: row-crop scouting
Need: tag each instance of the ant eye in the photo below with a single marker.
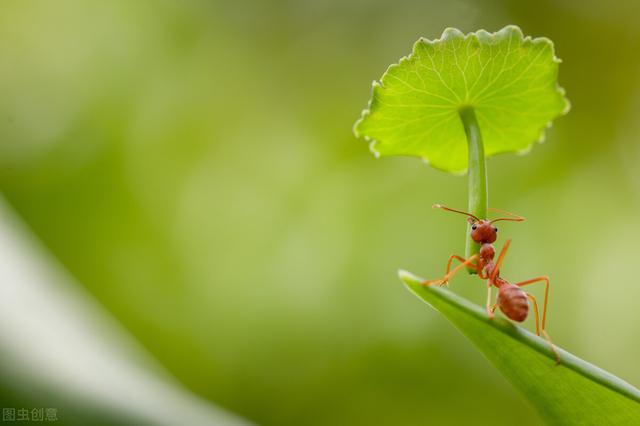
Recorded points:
(474, 226)
(495, 229)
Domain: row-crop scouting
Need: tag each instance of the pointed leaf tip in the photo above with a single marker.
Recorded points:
(574, 392)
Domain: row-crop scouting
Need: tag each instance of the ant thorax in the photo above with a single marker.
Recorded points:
(487, 253)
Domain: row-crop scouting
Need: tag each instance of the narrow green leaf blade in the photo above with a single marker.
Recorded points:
(509, 80)
(574, 392)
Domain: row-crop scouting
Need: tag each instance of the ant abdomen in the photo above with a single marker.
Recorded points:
(513, 302)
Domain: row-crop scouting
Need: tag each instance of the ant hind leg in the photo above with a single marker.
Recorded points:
(535, 311)
(544, 332)
(546, 294)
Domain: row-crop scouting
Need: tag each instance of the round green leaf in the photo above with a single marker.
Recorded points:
(508, 79)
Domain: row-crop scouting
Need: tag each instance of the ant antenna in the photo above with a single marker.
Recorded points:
(440, 206)
(513, 218)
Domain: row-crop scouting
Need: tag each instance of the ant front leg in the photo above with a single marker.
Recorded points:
(442, 281)
(461, 260)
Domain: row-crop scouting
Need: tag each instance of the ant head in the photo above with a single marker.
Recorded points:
(482, 230)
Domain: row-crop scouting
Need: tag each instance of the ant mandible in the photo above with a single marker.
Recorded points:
(511, 299)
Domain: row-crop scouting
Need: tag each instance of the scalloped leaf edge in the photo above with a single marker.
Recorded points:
(448, 33)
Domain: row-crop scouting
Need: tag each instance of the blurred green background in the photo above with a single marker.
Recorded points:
(192, 164)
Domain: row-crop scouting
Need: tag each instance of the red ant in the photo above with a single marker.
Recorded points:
(511, 299)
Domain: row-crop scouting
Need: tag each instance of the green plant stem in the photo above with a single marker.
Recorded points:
(477, 181)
